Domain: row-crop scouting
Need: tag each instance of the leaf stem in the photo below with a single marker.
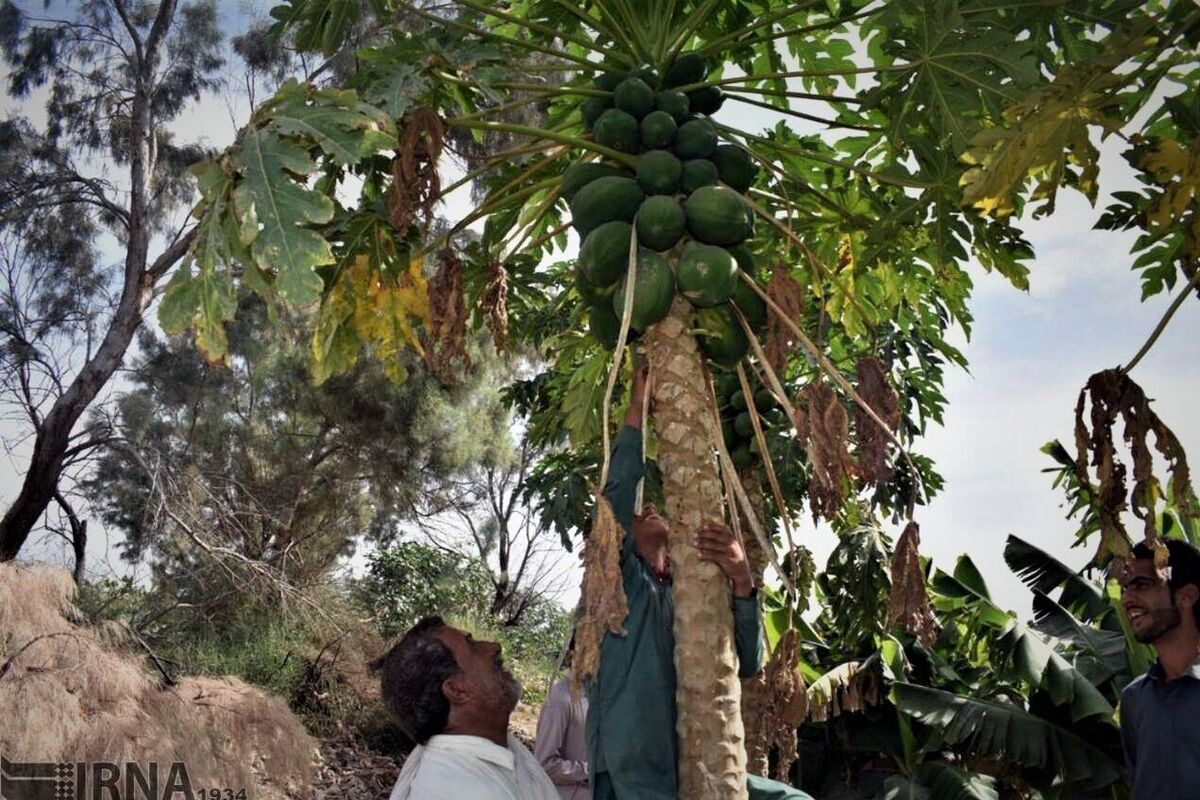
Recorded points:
(770, 19)
(535, 26)
(802, 30)
(832, 123)
(689, 27)
(836, 376)
(525, 130)
(1162, 323)
(497, 36)
(829, 98)
(833, 162)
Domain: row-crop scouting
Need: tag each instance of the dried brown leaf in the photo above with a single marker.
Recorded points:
(1114, 395)
(908, 604)
(788, 295)
(603, 594)
(877, 392)
(446, 339)
(781, 707)
(416, 186)
(822, 424)
(494, 305)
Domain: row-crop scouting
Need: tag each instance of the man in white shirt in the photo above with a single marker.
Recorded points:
(453, 697)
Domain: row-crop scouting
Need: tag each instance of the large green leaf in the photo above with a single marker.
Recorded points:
(275, 209)
(345, 128)
(1008, 733)
(1044, 573)
(1099, 655)
(1036, 661)
(961, 70)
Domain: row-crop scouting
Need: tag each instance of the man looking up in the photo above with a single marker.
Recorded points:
(453, 697)
(631, 709)
(1160, 711)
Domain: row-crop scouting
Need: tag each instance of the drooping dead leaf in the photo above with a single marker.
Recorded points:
(781, 708)
(446, 341)
(494, 304)
(846, 688)
(1114, 395)
(877, 392)
(908, 604)
(788, 295)
(823, 426)
(416, 186)
(603, 594)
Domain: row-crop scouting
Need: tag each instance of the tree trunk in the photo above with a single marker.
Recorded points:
(50, 445)
(712, 755)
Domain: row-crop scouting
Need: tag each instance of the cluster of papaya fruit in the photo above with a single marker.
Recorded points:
(684, 200)
(736, 425)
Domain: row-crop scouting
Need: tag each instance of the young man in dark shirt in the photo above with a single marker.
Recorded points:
(1160, 711)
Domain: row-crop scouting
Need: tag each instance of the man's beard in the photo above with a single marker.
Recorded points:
(1163, 621)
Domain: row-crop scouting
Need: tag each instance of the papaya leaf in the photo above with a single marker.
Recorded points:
(366, 307)
(200, 294)
(581, 402)
(962, 69)
(1047, 139)
(317, 25)
(282, 208)
(344, 127)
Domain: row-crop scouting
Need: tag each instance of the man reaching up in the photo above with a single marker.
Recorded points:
(631, 709)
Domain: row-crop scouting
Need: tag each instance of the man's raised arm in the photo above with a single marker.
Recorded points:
(627, 466)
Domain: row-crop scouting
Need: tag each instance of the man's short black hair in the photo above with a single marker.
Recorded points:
(1184, 562)
(411, 677)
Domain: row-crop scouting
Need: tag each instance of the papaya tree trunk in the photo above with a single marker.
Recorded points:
(712, 755)
(754, 688)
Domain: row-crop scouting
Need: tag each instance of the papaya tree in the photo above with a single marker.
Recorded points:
(789, 284)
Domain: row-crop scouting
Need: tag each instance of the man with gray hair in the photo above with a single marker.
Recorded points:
(453, 697)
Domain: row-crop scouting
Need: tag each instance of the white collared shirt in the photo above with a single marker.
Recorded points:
(470, 767)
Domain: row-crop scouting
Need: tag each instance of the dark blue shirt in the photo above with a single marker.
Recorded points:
(1160, 728)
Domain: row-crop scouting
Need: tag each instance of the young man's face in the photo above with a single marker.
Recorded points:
(1148, 602)
(486, 683)
(649, 527)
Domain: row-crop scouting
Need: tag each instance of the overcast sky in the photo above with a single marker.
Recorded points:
(1029, 355)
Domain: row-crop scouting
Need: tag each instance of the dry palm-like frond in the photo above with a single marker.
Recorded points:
(493, 304)
(604, 605)
(908, 604)
(876, 390)
(788, 295)
(416, 186)
(822, 425)
(846, 688)
(446, 340)
(783, 708)
(1114, 395)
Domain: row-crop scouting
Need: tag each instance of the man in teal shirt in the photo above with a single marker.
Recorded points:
(631, 712)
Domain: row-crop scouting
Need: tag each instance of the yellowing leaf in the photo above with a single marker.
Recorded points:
(1176, 170)
(366, 308)
(1048, 133)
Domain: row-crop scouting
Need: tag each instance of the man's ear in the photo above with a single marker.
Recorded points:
(1187, 595)
(456, 689)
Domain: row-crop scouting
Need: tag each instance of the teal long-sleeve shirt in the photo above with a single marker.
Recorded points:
(631, 705)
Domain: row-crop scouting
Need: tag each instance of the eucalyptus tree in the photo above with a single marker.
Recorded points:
(101, 164)
(908, 138)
